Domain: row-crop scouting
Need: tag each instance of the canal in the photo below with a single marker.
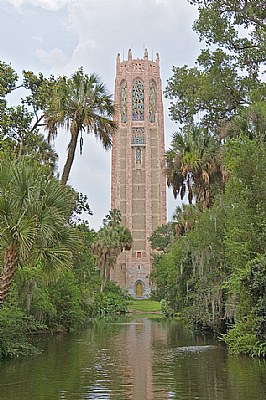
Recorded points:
(132, 359)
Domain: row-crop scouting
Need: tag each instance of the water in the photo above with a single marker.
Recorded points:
(137, 359)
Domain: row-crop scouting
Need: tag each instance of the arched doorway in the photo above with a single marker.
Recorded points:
(139, 289)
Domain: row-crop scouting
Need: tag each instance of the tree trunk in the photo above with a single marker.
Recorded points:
(71, 153)
(108, 268)
(8, 271)
(103, 272)
(103, 279)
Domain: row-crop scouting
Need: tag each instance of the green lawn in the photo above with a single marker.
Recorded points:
(144, 306)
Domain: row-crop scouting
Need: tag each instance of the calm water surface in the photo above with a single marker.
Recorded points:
(137, 359)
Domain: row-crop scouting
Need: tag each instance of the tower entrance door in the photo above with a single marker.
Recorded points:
(139, 289)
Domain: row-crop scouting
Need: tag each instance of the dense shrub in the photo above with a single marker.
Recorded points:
(14, 326)
(112, 301)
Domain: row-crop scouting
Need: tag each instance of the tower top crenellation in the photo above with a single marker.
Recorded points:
(130, 57)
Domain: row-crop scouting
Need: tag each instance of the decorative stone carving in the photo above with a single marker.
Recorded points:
(138, 156)
(138, 136)
(138, 101)
(123, 93)
(152, 101)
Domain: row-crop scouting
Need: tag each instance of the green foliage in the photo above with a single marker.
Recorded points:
(251, 122)
(70, 300)
(13, 332)
(167, 310)
(8, 79)
(249, 333)
(65, 298)
(37, 304)
(194, 167)
(238, 26)
(41, 90)
(214, 271)
(110, 241)
(245, 201)
(79, 103)
(162, 237)
(241, 340)
(42, 234)
(82, 207)
(42, 308)
(213, 89)
(19, 125)
(111, 301)
(34, 212)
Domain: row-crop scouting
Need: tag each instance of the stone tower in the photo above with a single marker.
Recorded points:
(138, 166)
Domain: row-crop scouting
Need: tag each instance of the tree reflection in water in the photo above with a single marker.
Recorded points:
(132, 359)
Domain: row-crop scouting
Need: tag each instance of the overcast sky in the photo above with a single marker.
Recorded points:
(58, 36)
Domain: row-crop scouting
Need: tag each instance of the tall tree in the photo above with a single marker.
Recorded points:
(211, 99)
(162, 237)
(110, 241)
(19, 125)
(193, 166)
(236, 25)
(210, 92)
(113, 219)
(34, 211)
(214, 272)
(80, 103)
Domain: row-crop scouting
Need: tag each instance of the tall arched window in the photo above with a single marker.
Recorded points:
(123, 94)
(138, 101)
(152, 101)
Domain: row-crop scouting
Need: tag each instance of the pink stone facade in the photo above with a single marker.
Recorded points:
(138, 187)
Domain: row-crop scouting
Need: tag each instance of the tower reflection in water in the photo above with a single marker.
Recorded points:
(133, 350)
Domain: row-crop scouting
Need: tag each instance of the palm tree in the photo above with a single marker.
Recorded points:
(185, 219)
(80, 103)
(193, 166)
(34, 212)
(111, 240)
(113, 219)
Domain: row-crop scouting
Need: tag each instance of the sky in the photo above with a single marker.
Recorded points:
(58, 36)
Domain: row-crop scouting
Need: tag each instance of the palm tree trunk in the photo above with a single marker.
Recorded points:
(102, 279)
(103, 276)
(70, 154)
(8, 271)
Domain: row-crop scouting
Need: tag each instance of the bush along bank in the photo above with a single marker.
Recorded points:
(61, 307)
(212, 272)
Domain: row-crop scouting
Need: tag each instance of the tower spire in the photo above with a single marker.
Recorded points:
(145, 54)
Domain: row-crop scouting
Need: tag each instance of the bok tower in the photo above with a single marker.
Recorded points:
(138, 166)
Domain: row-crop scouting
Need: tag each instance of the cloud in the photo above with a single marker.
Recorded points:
(105, 27)
(46, 4)
(58, 36)
(55, 57)
(38, 39)
(82, 50)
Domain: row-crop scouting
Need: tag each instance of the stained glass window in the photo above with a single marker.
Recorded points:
(152, 102)
(138, 136)
(138, 101)
(123, 101)
(138, 156)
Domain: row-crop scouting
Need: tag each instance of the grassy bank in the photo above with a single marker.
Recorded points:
(144, 307)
